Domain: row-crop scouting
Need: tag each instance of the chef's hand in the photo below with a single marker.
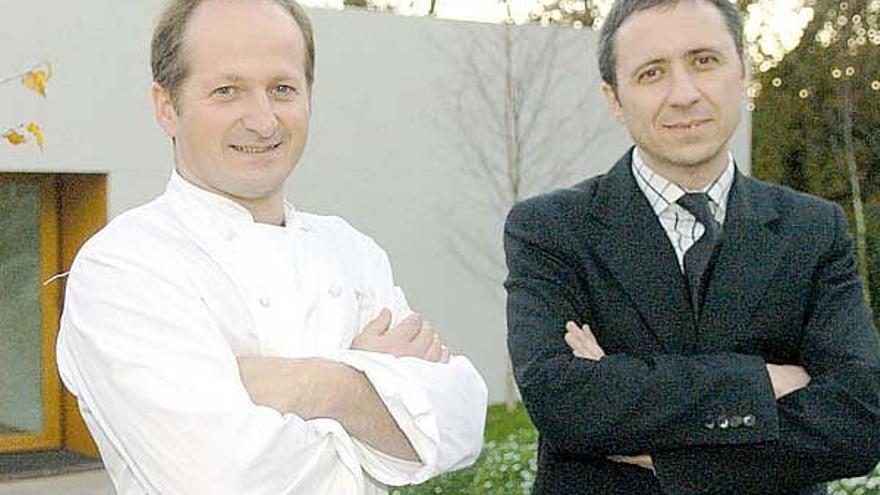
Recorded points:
(413, 337)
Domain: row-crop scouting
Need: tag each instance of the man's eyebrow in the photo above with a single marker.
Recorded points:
(228, 76)
(237, 79)
(286, 77)
(706, 49)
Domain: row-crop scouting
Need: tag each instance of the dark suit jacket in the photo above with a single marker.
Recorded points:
(693, 393)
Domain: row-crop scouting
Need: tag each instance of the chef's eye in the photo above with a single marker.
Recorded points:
(224, 92)
(284, 91)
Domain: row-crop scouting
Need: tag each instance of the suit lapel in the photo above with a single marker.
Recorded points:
(635, 248)
(744, 265)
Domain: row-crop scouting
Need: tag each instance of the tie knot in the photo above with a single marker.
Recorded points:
(698, 205)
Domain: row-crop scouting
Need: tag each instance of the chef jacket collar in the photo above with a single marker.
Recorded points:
(220, 213)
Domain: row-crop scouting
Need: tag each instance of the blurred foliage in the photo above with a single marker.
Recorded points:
(573, 13)
(799, 108)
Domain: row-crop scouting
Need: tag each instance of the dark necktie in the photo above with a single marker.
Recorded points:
(696, 259)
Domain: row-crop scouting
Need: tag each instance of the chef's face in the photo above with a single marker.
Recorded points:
(240, 119)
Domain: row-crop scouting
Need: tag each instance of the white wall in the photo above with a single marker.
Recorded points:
(402, 145)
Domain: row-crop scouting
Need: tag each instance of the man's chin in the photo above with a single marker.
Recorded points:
(696, 158)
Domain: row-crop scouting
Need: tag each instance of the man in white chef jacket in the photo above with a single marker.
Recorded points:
(220, 341)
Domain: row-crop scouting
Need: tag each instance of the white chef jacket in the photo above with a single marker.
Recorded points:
(161, 302)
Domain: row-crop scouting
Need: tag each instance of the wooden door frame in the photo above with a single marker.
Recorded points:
(83, 211)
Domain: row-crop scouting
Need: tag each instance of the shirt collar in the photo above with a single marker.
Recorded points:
(662, 193)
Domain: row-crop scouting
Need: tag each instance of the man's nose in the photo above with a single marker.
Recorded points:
(260, 117)
(683, 89)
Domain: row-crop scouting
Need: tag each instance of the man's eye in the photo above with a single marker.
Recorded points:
(649, 75)
(706, 60)
(224, 92)
(284, 91)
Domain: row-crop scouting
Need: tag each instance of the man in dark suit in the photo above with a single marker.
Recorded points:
(676, 327)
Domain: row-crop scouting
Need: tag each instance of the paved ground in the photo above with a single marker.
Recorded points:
(85, 483)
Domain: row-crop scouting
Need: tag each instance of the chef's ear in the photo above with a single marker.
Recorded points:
(164, 109)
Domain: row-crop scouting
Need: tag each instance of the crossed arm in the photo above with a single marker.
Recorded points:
(644, 402)
(786, 378)
(165, 393)
(322, 388)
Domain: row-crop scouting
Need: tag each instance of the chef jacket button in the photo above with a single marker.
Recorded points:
(736, 421)
(229, 235)
(709, 424)
(749, 420)
(265, 302)
(335, 290)
(723, 422)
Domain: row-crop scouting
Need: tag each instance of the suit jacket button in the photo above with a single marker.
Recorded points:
(749, 420)
(736, 421)
(723, 422)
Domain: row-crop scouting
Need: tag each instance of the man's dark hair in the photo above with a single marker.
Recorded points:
(623, 9)
(167, 58)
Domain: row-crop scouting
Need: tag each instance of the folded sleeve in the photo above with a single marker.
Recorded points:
(624, 404)
(440, 407)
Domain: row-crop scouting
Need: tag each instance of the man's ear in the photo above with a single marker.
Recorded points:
(613, 103)
(163, 108)
(746, 72)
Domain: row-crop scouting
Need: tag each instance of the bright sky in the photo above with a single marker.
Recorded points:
(773, 27)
